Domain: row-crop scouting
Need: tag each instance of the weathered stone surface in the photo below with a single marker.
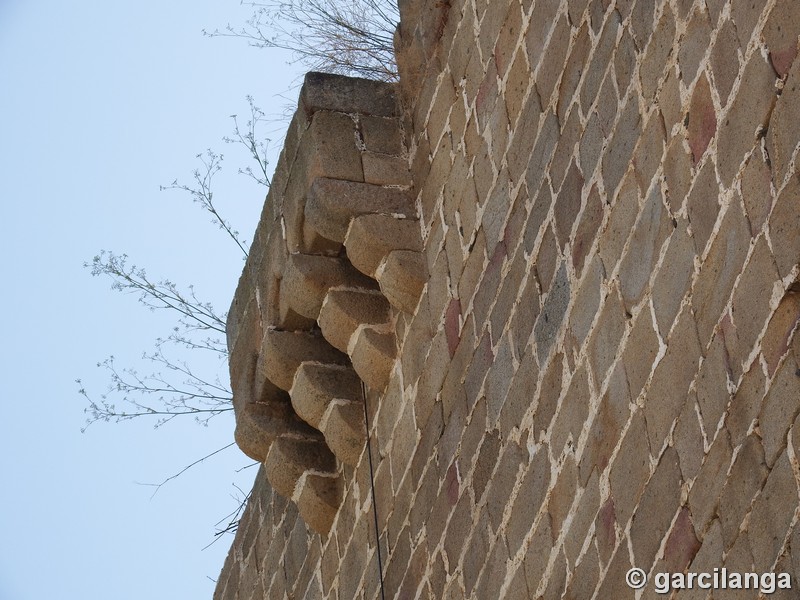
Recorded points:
(590, 359)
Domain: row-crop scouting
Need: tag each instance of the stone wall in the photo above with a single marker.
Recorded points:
(569, 297)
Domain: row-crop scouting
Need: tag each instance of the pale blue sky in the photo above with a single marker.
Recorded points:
(100, 103)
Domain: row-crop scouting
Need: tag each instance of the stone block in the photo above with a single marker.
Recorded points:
(673, 277)
(694, 45)
(688, 441)
(572, 413)
(548, 324)
(605, 338)
(772, 512)
(702, 119)
(649, 234)
(702, 205)
(724, 60)
(318, 497)
(619, 224)
(640, 352)
(325, 91)
(316, 385)
(784, 223)
(402, 275)
(345, 430)
(381, 134)
(283, 352)
(373, 355)
(384, 169)
(630, 469)
(751, 299)
(781, 406)
(656, 510)
(620, 147)
(746, 477)
(713, 285)
(606, 426)
(308, 278)
(780, 329)
(658, 50)
(333, 203)
(288, 458)
(371, 238)
(677, 173)
(780, 34)
(259, 424)
(757, 191)
(747, 116)
(624, 62)
(343, 310)
(705, 490)
(647, 158)
(667, 393)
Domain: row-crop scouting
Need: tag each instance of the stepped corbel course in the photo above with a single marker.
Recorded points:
(335, 256)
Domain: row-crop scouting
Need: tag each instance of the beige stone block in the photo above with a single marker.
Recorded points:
(402, 275)
(333, 203)
(748, 113)
(373, 355)
(383, 169)
(781, 406)
(345, 430)
(371, 238)
(344, 310)
(316, 385)
(326, 91)
(289, 457)
(283, 352)
(772, 512)
(784, 224)
(308, 278)
(318, 497)
(259, 424)
(630, 469)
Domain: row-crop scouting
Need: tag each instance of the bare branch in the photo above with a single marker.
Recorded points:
(204, 196)
(351, 37)
(186, 468)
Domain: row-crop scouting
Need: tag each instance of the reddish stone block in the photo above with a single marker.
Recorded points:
(702, 119)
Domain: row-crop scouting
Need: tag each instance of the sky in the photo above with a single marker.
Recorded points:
(100, 104)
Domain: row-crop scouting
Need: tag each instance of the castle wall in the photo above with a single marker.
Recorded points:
(600, 370)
